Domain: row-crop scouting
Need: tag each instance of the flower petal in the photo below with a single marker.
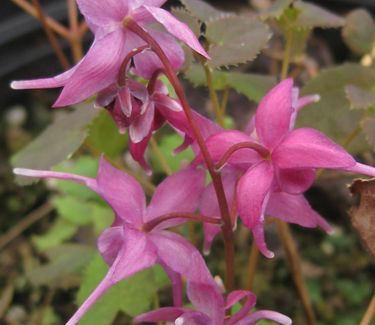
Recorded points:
(110, 243)
(236, 296)
(295, 181)
(359, 168)
(253, 191)
(137, 151)
(167, 102)
(142, 125)
(135, 255)
(273, 115)
(122, 192)
(265, 314)
(177, 29)
(295, 209)
(177, 193)
(160, 315)
(309, 148)
(181, 256)
(177, 285)
(97, 70)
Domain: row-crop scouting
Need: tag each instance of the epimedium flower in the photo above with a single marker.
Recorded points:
(138, 239)
(210, 309)
(278, 163)
(99, 68)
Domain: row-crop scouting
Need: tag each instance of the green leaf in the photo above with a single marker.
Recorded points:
(60, 231)
(368, 127)
(85, 166)
(104, 136)
(359, 31)
(312, 16)
(167, 145)
(253, 86)
(359, 98)
(132, 296)
(234, 40)
(63, 261)
(73, 210)
(101, 217)
(276, 9)
(332, 115)
(203, 11)
(56, 143)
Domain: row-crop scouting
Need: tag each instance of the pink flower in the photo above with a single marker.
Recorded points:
(100, 67)
(210, 309)
(138, 239)
(278, 163)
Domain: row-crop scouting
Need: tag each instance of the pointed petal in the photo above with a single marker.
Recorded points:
(106, 96)
(295, 181)
(160, 315)
(122, 192)
(295, 209)
(177, 285)
(154, 3)
(118, 116)
(147, 62)
(260, 240)
(104, 12)
(142, 125)
(167, 102)
(208, 300)
(98, 69)
(362, 169)
(110, 243)
(265, 314)
(177, 193)
(309, 148)
(181, 256)
(137, 151)
(236, 296)
(273, 115)
(134, 256)
(54, 82)
(177, 29)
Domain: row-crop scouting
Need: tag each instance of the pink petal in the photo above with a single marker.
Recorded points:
(154, 3)
(265, 314)
(122, 192)
(209, 206)
(167, 102)
(177, 193)
(181, 256)
(177, 29)
(208, 300)
(104, 12)
(273, 115)
(54, 82)
(177, 285)
(309, 148)
(295, 209)
(236, 296)
(118, 116)
(106, 96)
(295, 181)
(147, 63)
(125, 101)
(141, 127)
(110, 243)
(98, 69)
(160, 315)
(359, 168)
(135, 255)
(137, 151)
(252, 196)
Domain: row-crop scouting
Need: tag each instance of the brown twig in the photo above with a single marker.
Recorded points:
(52, 23)
(252, 266)
(51, 36)
(369, 314)
(294, 259)
(6, 299)
(25, 223)
(75, 37)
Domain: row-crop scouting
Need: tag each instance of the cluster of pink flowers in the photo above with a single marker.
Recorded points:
(265, 170)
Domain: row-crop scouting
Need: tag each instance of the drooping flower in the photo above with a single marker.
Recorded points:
(113, 41)
(278, 163)
(138, 239)
(210, 309)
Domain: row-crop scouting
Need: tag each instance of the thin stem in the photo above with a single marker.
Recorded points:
(213, 95)
(159, 154)
(75, 38)
(51, 36)
(286, 58)
(216, 178)
(252, 266)
(224, 100)
(148, 226)
(294, 259)
(351, 136)
(369, 314)
(238, 146)
(52, 23)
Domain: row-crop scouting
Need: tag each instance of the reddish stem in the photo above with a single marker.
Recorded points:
(148, 226)
(216, 178)
(242, 145)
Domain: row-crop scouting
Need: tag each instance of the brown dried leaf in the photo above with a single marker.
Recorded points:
(363, 217)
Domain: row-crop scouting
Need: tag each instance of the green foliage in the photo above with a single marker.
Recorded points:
(56, 143)
(253, 86)
(104, 136)
(203, 11)
(276, 9)
(131, 296)
(332, 114)
(185, 16)
(359, 98)
(359, 31)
